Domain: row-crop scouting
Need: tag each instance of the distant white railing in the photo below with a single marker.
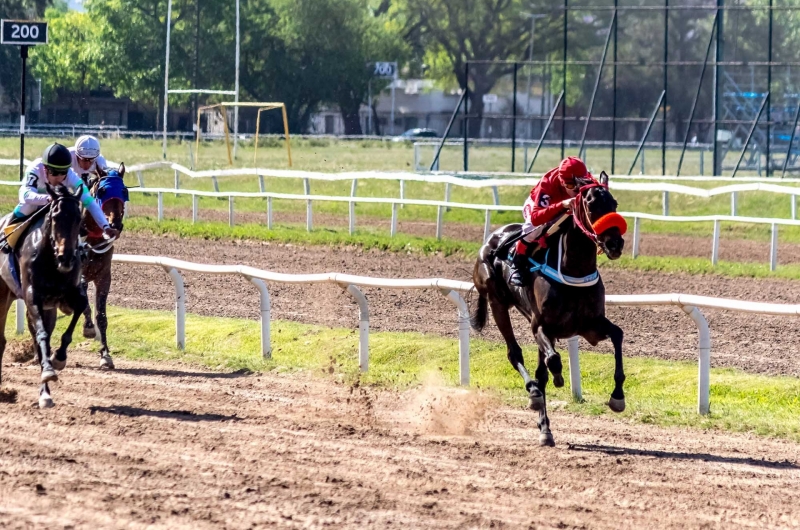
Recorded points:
(452, 289)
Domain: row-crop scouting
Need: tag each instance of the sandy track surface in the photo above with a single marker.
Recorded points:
(163, 445)
(760, 344)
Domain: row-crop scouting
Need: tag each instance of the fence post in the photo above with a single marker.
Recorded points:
(363, 326)
(636, 237)
(266, 307)
(702, 162)
(261, 183)
(402, 192)
(665, 203)
(160, 206)
(495, 195)
(353, 187)
(773, 248)
(180, 307)
(463, 335)
(641, 161)
(20, 316)
(487, 226)
(309, 212)
(448, 189)
(439, 221)
(269, 213)
(794, 206)
(195, 207)
(715, 243)
(704, 359)
(393, 229)
(230, 211)
(177, 180)
(574, 369)
(140, 178)
(215, 183)
(352, 218)
(416, 156)
(734, 202)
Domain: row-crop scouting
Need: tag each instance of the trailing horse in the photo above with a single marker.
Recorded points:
(45, 272)
(566, 296)
(112, 194)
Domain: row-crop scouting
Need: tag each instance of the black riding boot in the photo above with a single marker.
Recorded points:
(520, 268)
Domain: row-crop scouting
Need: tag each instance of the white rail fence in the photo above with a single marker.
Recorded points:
(453, 291)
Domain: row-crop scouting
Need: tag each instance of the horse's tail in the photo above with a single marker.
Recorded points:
(478, 317)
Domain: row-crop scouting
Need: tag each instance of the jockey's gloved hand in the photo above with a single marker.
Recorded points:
(567, 204)
(110, 233)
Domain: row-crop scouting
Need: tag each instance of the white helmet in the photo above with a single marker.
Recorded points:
(87, 147)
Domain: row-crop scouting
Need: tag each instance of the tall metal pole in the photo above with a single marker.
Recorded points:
(466, 116)
(597, 81)
(236, 89)
(769, 91)
(394, 82)
(717, 59)
(166, 81)
(514, 122)
(564, 80)
(666, 92)
(614, 96)
(23, 53)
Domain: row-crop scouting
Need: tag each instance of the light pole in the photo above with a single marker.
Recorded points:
(166, 81)
(533, 18)
(236, 89)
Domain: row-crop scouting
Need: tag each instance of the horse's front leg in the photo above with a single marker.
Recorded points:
(77, 302)
(602, 329)
(103, 286)
(88, 326)
(41, 339)
(552, 358)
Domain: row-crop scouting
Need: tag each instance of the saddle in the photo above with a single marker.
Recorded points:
(13, 231)
(538, 235)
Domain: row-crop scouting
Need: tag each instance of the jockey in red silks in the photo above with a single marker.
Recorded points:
(552, 196)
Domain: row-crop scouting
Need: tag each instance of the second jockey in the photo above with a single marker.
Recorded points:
(53, 169)
(86, 158)
(552, 196)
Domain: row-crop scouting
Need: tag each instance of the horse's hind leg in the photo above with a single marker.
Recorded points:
(552, 358)
(601, 329)
(88, 326)
(545, 436)
(6, 299)
(503, 320)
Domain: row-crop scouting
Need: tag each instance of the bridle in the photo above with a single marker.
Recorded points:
(106, 245)
(582, 221)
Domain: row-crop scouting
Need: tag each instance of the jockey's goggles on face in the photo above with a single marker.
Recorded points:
(57, 172)
(570, 185)
(87, 158)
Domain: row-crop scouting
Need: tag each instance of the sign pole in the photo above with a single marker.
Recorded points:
(23, 52)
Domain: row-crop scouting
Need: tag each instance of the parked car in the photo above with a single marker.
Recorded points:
(413, 134)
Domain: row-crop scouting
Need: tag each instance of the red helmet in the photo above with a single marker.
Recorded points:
(569, 169)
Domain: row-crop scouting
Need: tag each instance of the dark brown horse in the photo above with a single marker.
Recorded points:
(112, 194)
(566, 296)
(48, 279)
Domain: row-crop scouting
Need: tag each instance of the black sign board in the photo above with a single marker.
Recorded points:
(23, 32)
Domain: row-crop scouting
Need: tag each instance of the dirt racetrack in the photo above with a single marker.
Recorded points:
(163, 445)
(759, 344)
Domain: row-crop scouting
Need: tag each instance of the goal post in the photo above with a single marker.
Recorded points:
(262, 106)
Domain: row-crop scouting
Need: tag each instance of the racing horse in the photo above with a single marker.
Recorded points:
(111, 192)
(45, 272)
(565, 296)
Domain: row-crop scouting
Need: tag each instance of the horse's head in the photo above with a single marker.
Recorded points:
(596, 214)
(111, 193)
(64, 219)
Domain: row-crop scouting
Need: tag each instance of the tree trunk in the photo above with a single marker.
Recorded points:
(350, 114)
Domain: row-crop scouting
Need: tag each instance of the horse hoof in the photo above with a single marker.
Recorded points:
(536, 401)
(546, 440)
(89, 332)
(617, 405)
(106, 363)
(58, 365)
(46, 403)
(558, 381)
(49, 376)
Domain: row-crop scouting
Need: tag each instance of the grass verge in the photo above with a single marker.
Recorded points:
(658, 392)
(373, 239)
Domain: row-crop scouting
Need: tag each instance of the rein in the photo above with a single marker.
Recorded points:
(607, 221)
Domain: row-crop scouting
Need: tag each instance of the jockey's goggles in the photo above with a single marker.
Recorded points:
(570, 185)
(57, 171)
(87, 158)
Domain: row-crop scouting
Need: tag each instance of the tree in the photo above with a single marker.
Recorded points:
(69, 65)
